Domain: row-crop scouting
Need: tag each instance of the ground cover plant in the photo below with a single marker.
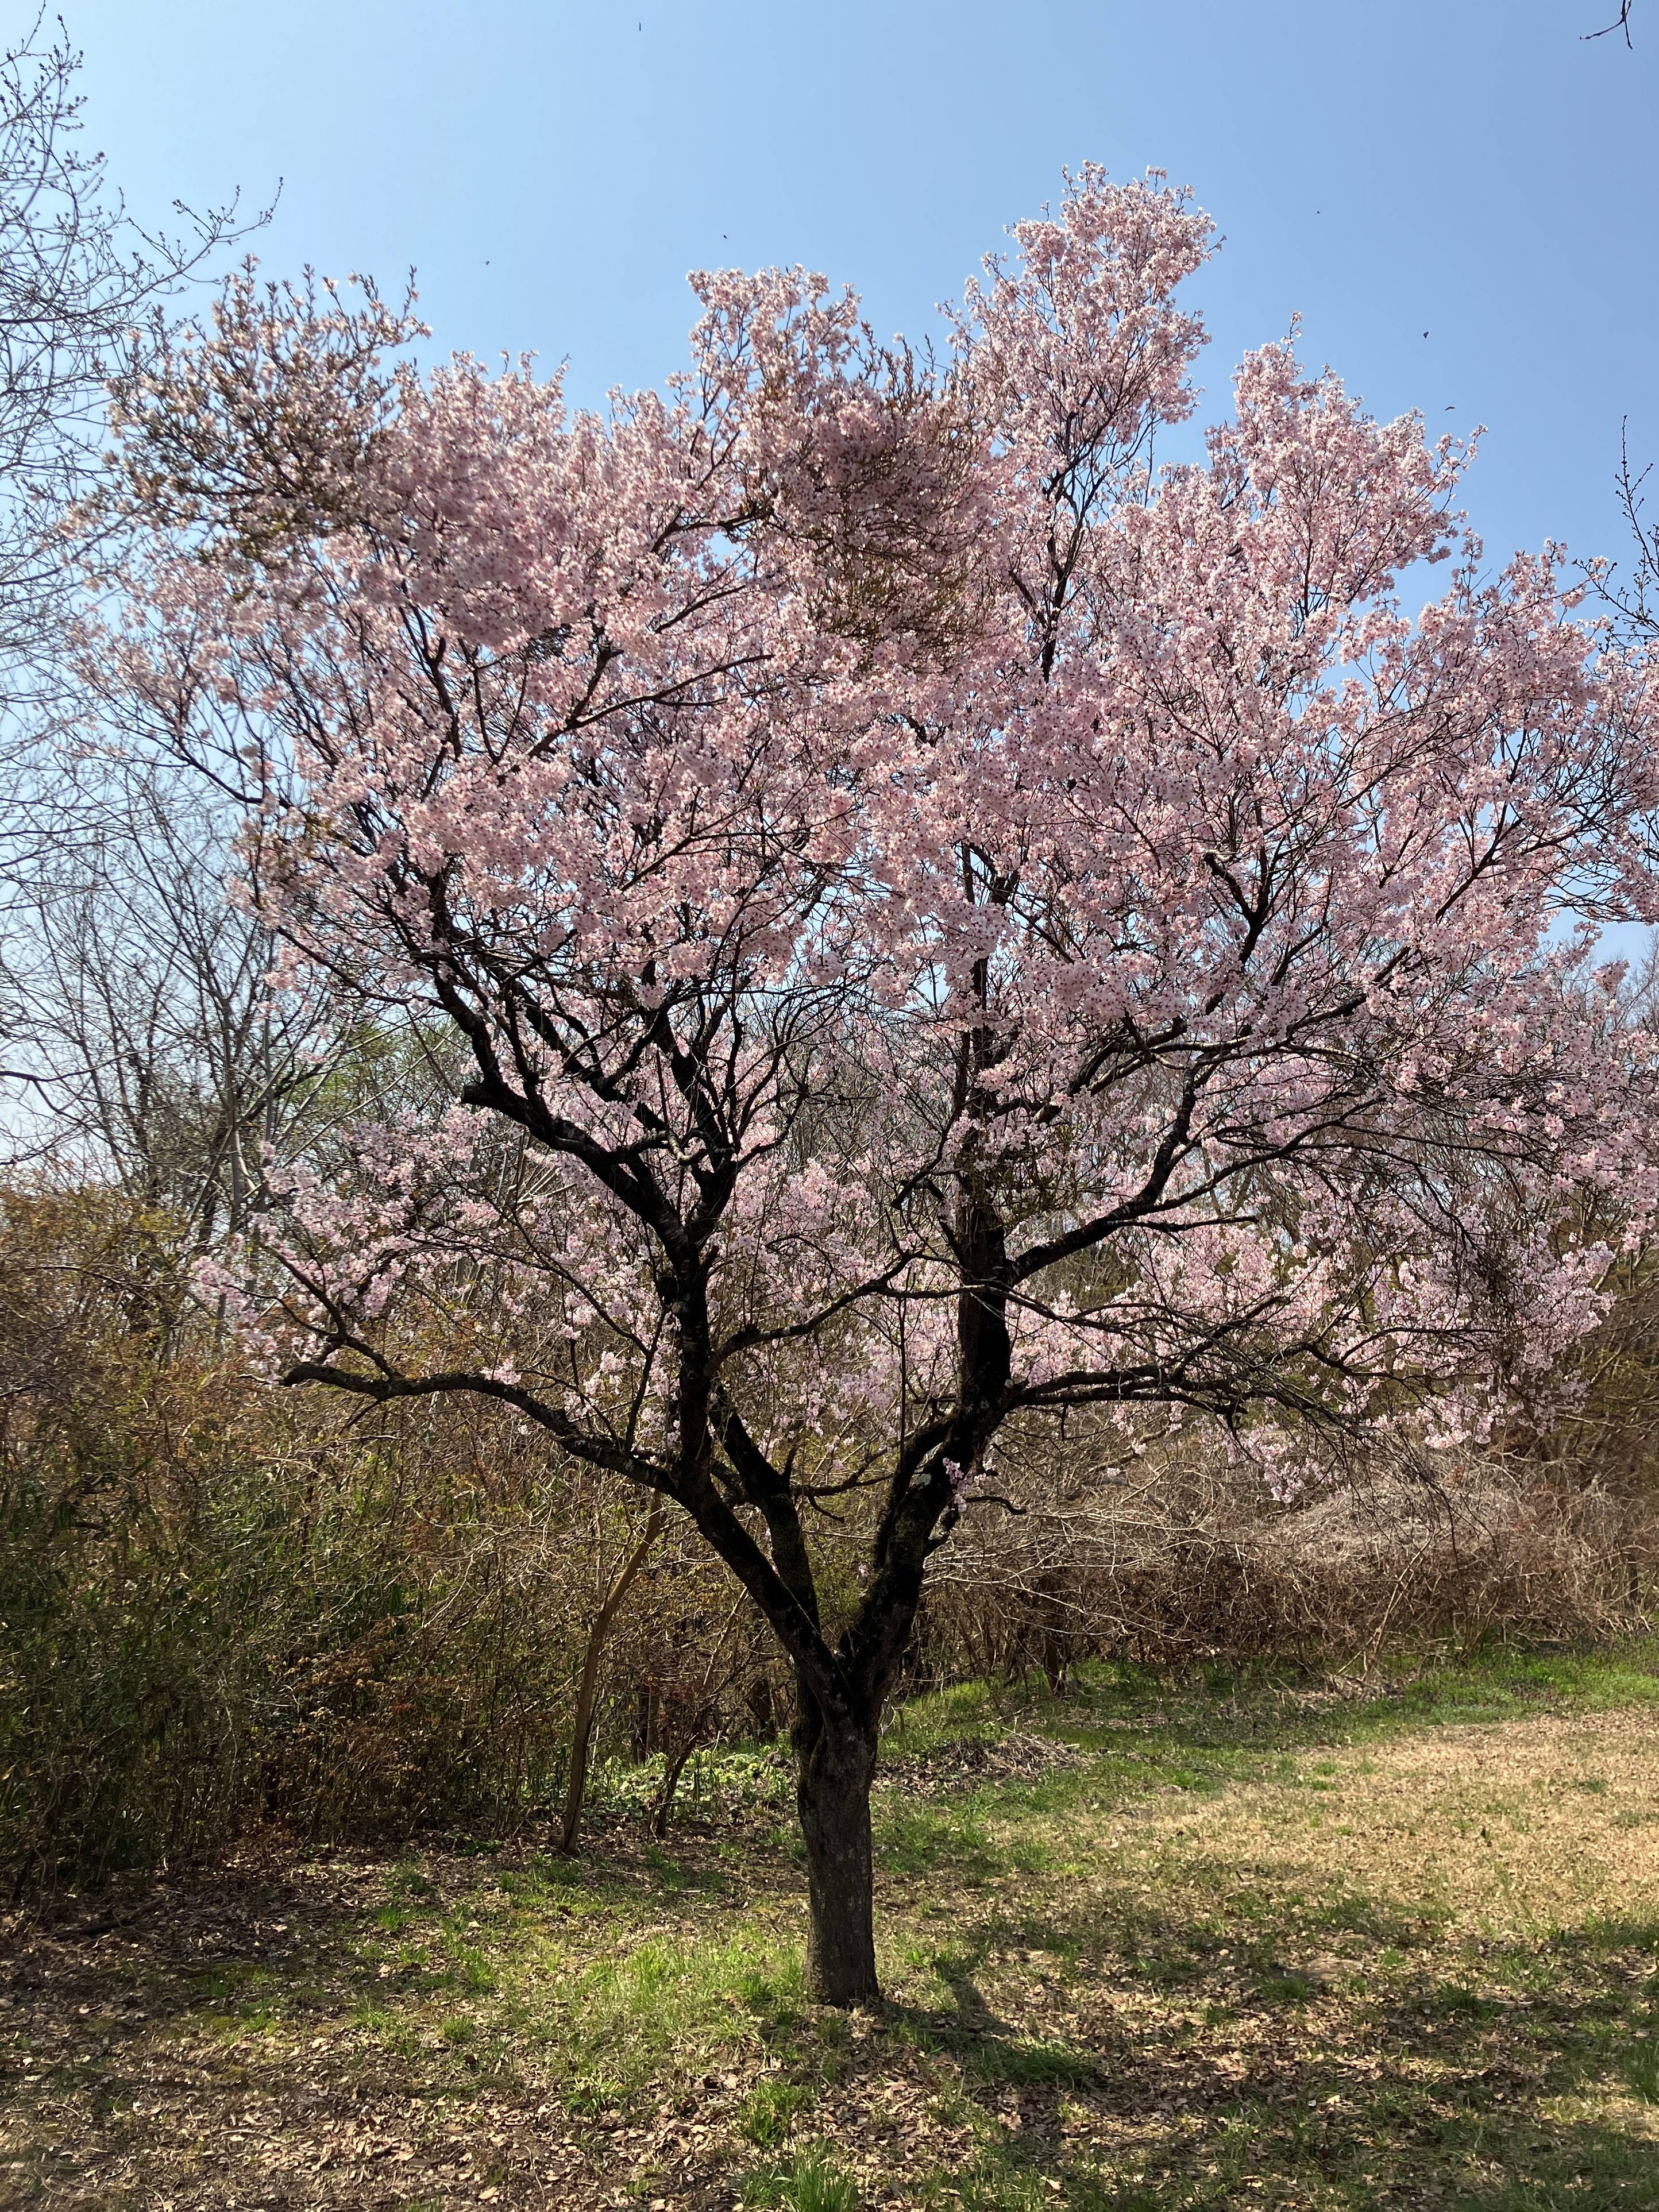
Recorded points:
(919, 923)
(1164, 1942)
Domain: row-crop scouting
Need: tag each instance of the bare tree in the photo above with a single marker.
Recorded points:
(145, 1041)
(110, 908)
(1635, 601)
(615, 1579)
(77, 274)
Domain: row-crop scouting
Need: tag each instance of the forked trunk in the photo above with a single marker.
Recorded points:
(581, 1734)
(833, 1765)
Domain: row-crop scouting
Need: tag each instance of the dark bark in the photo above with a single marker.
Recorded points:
(834, 1762)
(718, 1473)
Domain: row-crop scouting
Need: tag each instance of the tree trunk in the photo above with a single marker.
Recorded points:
(674, 1765)
(581, 1734)
(834, 1765)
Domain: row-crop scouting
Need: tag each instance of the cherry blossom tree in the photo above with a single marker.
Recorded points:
(940, 918)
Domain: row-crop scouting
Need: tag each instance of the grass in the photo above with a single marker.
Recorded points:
(814, 2181)
(1155, 1946)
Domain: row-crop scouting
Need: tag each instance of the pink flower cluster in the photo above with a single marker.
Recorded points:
(937, 917)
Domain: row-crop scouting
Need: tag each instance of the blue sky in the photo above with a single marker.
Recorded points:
(1471, 169)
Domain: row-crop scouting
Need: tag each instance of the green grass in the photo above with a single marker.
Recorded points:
(968, 1712)
(814, 2181)
(1253, 1940)
(1641, 2070)
(769, 2111)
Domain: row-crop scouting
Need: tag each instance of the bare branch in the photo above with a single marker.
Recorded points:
(1621, 22)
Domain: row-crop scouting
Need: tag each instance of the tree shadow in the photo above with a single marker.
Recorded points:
(1411, 2087)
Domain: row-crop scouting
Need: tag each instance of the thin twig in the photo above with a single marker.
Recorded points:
(1621, 23)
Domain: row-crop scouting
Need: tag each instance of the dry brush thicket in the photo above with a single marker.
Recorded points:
(1189, 1558)
(222, 1608)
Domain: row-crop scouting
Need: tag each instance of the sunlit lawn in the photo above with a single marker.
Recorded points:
(1241, 1944)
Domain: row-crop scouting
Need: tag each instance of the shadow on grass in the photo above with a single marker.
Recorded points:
(1408, 2086)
